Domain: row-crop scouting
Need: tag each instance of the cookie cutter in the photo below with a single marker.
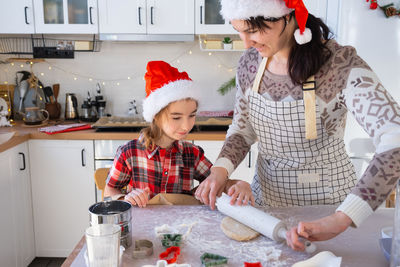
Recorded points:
(252, 264)
(175, 250)
(171, 240)
(143, 248)
(209, 259)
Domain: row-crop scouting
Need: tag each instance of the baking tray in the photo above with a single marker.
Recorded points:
(129, 124)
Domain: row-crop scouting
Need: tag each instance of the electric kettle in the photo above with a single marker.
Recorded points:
(71, 107)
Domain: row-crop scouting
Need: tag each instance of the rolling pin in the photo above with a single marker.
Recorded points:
(257, 220)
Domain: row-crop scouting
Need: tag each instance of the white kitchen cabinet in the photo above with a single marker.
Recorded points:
(66, 16)
(16, 17)
(245, 170)
(17, 246)
(146, 16)
(208, 20)
(62, 191)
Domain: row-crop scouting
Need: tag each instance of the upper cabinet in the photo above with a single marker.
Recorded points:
(146, 17)
(66, 16)
(16, 17)
(208, 20)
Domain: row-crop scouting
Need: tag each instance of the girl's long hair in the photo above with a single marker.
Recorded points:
(306, 59)
(153, 133)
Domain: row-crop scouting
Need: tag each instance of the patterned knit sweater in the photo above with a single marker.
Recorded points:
(344, 84)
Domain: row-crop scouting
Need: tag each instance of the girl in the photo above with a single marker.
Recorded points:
(295, 88)
(160, 161)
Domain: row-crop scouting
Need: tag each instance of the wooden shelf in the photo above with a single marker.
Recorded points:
(203, 40)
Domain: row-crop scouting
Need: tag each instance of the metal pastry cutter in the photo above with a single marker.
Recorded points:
(143, 249)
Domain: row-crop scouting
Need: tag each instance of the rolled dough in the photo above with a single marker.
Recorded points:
(236, 230)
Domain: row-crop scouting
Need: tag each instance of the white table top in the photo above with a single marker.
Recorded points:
(357, 247)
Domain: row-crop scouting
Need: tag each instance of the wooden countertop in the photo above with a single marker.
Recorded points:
(24, 133)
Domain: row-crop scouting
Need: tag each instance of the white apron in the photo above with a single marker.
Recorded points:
(292, 170)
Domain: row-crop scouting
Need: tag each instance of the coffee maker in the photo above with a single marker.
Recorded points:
(71, 107)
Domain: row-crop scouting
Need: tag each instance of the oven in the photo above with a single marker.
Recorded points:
(104, 153)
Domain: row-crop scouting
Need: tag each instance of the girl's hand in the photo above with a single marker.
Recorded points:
(138, 197)
(212, 186)
(241, 193)
(322, 229)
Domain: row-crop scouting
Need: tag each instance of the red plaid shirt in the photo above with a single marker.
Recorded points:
(162, 170)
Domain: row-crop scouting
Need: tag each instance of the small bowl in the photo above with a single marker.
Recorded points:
(387, 232)
(386, 246)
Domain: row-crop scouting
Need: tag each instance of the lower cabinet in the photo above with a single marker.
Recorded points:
(245, 170)
(62, 191)
(17, 247)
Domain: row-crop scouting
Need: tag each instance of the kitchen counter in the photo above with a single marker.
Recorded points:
(356, 246)
(24, 133)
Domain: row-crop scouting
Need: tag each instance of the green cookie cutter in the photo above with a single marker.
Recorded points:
(209, 259)
(171, 240)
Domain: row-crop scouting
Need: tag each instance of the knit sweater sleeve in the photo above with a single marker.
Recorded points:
(240, 135)
(379, 115)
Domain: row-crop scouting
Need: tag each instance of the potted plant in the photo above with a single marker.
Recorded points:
(227, 43)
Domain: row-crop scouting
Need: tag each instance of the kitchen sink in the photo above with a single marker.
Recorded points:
(4, 137)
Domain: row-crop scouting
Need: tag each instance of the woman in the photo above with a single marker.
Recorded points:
(302, 158)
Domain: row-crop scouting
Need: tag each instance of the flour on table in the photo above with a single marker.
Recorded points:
(236, 230)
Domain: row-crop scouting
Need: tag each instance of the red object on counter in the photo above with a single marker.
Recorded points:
(65, 128)
(252, 264)
(168, 251)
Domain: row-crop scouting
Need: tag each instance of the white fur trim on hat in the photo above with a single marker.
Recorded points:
(169, 93)
(303, 38)
(244, 9)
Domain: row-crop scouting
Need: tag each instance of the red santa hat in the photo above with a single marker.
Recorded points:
(244, 9)
(164, 85)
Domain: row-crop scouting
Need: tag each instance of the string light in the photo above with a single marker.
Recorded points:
(177, 59)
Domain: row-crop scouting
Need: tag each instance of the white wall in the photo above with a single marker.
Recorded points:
(119, 60)
(377, 40)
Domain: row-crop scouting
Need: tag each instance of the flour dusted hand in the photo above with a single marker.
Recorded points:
(241, 193)
(138, 197)
(212, 186)
(322, 229)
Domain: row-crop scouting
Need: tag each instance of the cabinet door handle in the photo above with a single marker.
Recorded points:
(201, 14)
(250, 159)
(83, 158)
(26, 15)
(23, 161)
(151, 15)
(90, 15)
(140, 15)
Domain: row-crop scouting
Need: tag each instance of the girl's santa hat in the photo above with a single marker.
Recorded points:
(245, 9)
(164, 85)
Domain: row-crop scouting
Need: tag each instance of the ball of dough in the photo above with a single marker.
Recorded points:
(236, 230)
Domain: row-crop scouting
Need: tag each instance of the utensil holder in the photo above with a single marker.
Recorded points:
(54, 110)
(395, 251)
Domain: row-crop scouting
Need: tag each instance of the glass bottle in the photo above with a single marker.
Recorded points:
(395, 251)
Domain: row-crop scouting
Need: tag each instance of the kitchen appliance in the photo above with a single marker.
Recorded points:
(35, 116)
(71, 107)
(113, 212)
(27, 93)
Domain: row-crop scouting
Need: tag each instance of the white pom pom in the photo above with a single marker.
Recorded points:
(303, 38)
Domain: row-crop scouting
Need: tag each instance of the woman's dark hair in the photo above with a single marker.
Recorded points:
(306, 59)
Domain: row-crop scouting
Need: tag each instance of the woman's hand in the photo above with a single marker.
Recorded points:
(322, 229)
(138, 197)
(241, 193)
(212, 186)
